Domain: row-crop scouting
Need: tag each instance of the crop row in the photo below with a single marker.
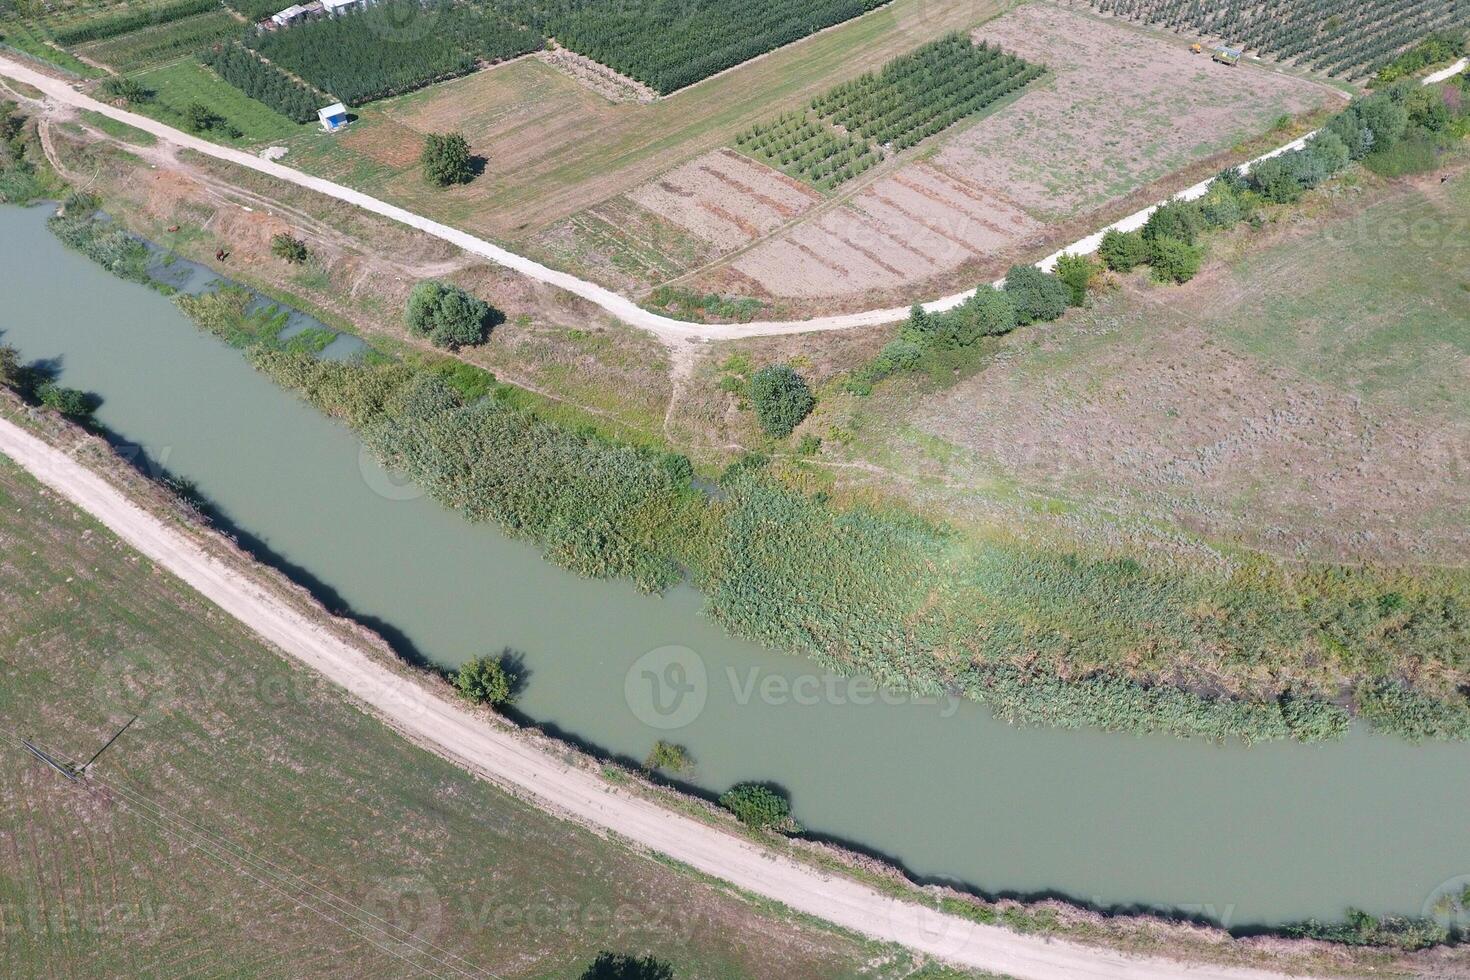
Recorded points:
(1351, 38)
(804, 148)
(155, 46)
(668, 44)
(925, 91)
(394, 46)
(129, 20)
(262, 82)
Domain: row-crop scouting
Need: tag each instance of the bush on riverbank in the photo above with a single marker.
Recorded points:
(79, 226)
(759, 807)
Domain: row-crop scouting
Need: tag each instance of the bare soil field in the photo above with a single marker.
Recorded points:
(1307, 398)
(726, 199)
(1122, 110)
(1125, 109)
(905, 228)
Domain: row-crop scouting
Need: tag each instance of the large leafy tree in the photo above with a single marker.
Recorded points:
(446, 159)
(781, 398)
(449, 316)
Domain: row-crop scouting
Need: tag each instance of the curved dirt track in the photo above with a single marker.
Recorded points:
(459, 735)
(619, 306)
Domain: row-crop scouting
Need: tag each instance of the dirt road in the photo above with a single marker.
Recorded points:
(629, 312)
(521, 767)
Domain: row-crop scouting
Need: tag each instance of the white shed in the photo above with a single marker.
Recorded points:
(335, 7)
(333, 117)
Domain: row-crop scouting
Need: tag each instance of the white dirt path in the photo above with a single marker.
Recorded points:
(458, 735)
(666, 328)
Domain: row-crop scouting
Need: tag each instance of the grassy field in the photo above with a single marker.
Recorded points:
(183, 82)
(1305, 395)
(247, 789)
(555, 147)
(24, 38)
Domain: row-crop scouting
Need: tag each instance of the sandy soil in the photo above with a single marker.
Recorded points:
(726, 199)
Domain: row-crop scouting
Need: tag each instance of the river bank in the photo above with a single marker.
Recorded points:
(963, 931)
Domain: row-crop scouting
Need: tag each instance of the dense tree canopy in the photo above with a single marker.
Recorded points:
(446, 159)
(449, 316)
(781, 398)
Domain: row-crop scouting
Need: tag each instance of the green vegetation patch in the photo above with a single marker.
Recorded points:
(128, 20)
(118, 130)
(155, 46)
(183, 84)
(925, 91)
(394, 46)
(668, 44)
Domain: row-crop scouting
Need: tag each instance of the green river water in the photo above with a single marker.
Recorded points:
(1240, 836)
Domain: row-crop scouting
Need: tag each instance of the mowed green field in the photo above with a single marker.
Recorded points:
(183, 82)
(554, 147)
(252, 823)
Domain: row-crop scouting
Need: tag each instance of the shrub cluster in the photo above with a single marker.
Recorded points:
(1362, 929)
(1439, 48)
(758, 806)
(1376, 129)
(36, 385)
(485, 680)
(449, 316)
(446, 159)
(1030, 295)
(781, 399)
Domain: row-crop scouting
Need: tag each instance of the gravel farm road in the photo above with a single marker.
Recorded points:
(666, 328)
(530, 772)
